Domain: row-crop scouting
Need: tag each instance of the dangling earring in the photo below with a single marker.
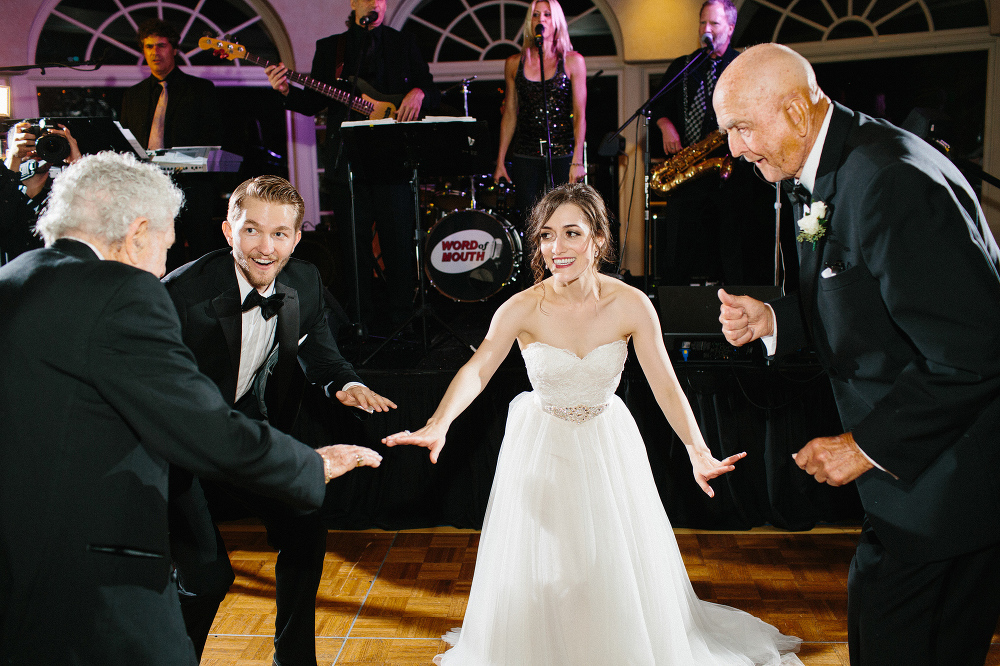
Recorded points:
(596, 252)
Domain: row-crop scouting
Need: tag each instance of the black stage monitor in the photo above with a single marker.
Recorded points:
(692, 313)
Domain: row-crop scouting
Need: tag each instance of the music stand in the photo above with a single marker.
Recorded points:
(389, 150)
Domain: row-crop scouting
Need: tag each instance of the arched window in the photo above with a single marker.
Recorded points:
(81, 30)
(797, 21)
(492, 30)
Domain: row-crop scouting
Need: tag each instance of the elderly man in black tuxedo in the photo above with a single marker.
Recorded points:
(898, 293)
(99, 396)
(252, 316)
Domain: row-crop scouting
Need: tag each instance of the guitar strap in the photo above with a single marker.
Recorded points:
(341, 49)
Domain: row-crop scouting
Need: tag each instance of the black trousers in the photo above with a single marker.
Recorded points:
(205, 574)
(931, 614)
(388, 206)
(528, 176)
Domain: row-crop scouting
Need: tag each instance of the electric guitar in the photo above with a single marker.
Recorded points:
(369, 102)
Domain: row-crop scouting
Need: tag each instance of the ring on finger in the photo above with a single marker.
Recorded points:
(361, 461)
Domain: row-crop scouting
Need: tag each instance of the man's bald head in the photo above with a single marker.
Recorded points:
(768, 103)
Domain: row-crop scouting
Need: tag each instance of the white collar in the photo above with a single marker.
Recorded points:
(811, 167)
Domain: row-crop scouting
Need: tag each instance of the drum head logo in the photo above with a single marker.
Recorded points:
(465, 250)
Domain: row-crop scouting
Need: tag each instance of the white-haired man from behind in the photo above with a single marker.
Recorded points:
(99, 396)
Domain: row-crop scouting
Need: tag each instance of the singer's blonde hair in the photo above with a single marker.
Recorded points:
(563, 45)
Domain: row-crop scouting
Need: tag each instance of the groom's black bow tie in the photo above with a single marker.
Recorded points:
(798, 194)
(268, 306)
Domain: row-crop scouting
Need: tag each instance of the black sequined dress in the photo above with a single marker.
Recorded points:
(531, 113)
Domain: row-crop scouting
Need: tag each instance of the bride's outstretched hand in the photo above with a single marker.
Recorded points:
(430, 437)
(706, 468)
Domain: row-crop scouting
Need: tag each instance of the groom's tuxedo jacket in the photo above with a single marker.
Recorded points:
(901, 299)
(207, 298)
(99, 394)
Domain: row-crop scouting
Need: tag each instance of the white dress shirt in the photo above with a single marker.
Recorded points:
(256, 338)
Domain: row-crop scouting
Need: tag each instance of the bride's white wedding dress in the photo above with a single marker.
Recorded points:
(577, 563)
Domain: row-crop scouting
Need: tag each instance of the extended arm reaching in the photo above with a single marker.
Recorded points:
(648, 340)
(578, 78)
(470, 380)
(508, 120)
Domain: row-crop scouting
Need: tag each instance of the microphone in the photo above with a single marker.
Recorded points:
(539, 31)
(368, 19)
(708, 42)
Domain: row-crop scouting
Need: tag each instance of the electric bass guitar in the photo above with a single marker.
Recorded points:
(369, 102)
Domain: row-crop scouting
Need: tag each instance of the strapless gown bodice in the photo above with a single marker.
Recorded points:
(572, 388)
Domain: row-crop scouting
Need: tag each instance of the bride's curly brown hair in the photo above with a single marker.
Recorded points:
(595, 214)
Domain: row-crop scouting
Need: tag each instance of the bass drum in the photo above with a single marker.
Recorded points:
(470, 255)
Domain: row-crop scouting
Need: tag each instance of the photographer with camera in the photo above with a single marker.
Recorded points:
(32, 150)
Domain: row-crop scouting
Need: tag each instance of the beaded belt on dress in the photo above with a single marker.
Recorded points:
(577, 414)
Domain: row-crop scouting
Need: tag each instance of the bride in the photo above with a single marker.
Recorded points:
(577, 563)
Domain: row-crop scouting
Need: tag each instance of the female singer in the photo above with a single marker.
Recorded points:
(522, 129)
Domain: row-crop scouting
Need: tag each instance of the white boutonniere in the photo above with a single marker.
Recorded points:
(812, 226)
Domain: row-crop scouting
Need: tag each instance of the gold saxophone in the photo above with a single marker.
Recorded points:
(690, 163)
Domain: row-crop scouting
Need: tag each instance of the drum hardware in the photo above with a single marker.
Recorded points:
(436, 146)
(465, 105)
(443, 199)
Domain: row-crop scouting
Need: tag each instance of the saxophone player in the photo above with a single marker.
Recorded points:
(704, 235)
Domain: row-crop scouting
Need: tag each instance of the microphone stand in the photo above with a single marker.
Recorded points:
(465, 107)
(609, 147)
(549, 179)
(358, 328)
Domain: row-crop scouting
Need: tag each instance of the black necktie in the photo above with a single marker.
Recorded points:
(694, 121)
(268, 306)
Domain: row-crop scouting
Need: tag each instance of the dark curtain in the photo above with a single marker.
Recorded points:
(769, 412)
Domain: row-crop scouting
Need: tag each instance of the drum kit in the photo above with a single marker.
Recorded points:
(464, 246)
(471, 251)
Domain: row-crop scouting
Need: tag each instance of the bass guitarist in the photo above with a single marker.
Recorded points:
(390, 62)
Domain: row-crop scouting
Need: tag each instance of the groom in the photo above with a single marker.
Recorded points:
(253, 316)
(898, 294)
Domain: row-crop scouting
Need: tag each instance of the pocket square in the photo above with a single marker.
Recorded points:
(832, 269)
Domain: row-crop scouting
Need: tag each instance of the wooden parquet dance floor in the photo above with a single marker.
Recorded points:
(386, 597)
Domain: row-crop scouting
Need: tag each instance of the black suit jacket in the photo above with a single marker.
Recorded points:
(193, 116)
(908, 329)
(207, 297)
(99, 394)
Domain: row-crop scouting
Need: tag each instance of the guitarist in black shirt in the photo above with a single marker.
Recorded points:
(390, 62)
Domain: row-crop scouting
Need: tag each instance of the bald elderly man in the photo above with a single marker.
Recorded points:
(898, 293)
